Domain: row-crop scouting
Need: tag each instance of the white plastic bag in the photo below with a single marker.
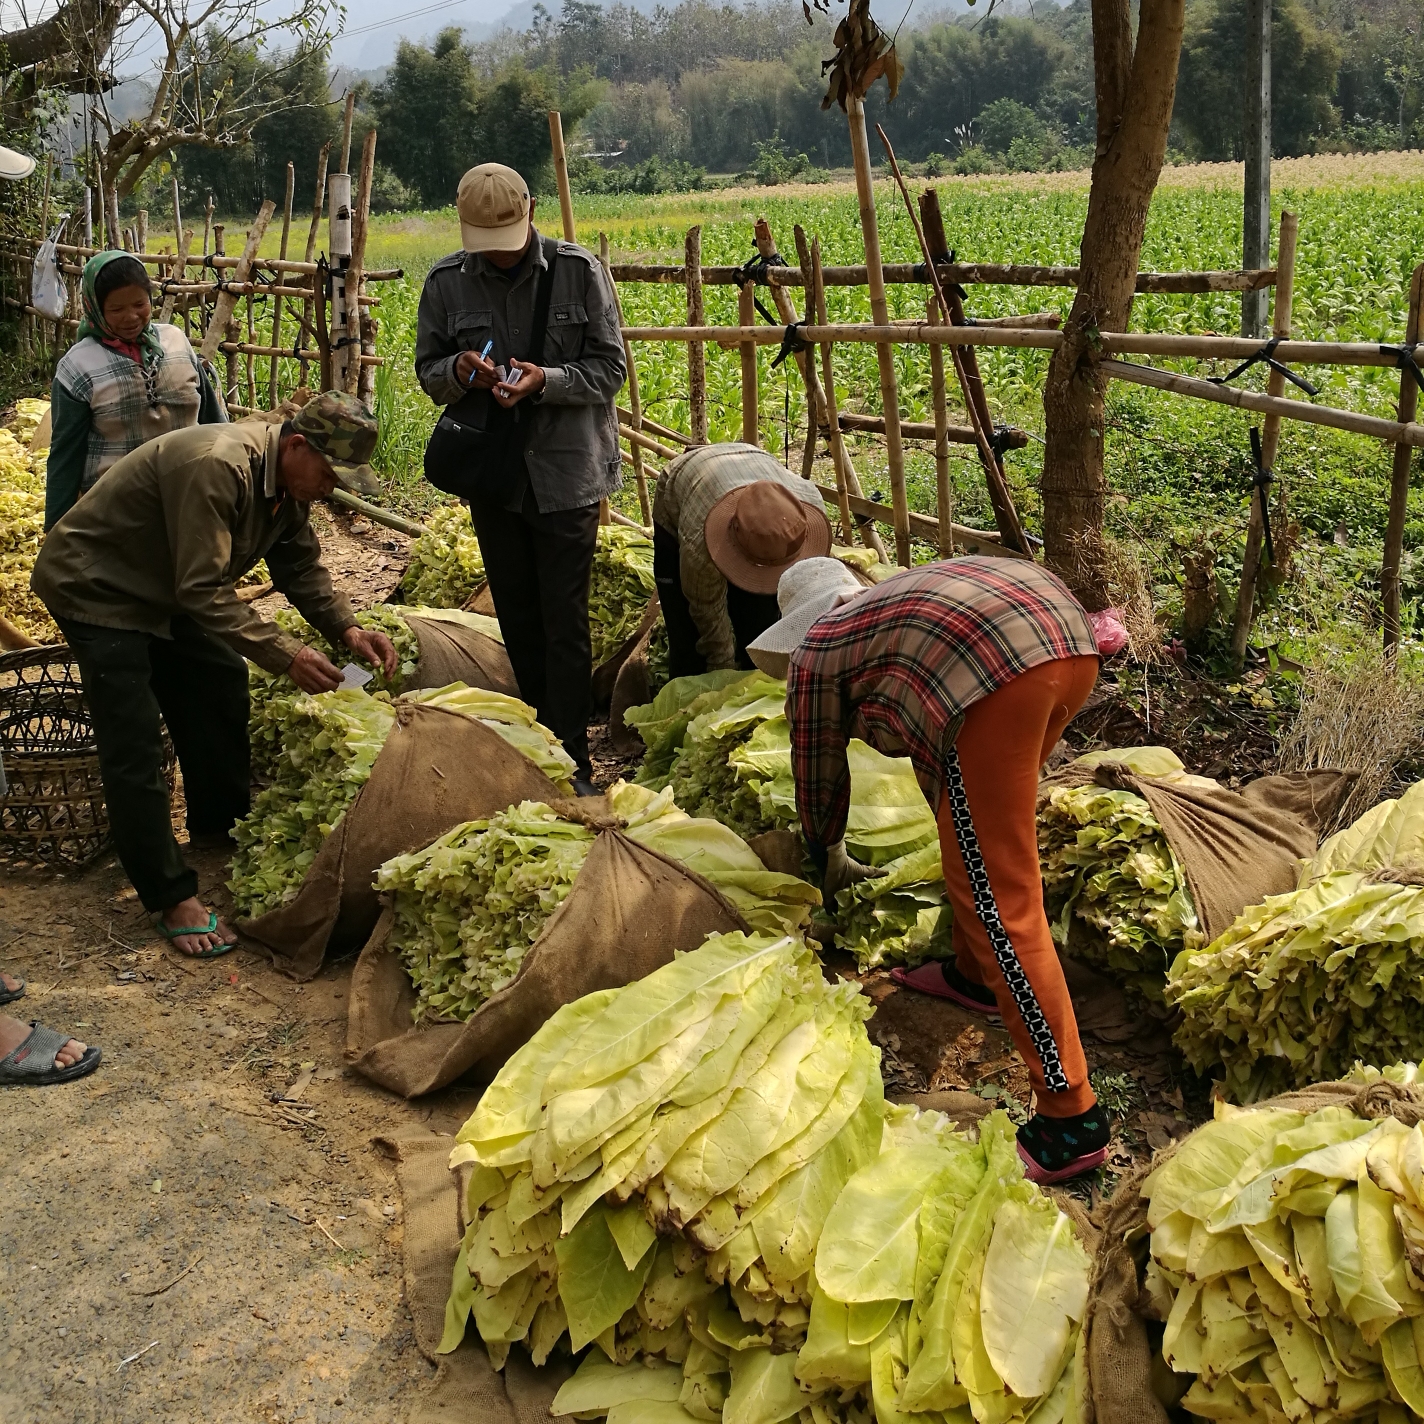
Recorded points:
(48, 294)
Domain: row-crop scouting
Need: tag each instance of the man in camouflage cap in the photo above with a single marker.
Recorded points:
(141, 577)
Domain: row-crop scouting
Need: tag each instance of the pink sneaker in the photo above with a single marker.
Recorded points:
(933, 978)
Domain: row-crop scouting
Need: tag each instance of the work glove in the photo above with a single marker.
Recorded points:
(842, 871)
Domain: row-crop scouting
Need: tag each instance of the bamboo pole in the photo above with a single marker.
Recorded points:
(746, 314)
(274, 383)
(44, 219)
(926, 527)
(926, 429)
(805, 360)
(1399, 478)
(847, 481)
(1270, 440)
(1168, 346)
(226, 301)
(141, 231)
(944, 495)
(646, 422)
(355, 277)
(964, 274)
(348, 114)
(247, 348)
(635, 414)
(318, 203)
(249, 367)
(975, 400)
(182, 240)
(561, 174)
(696, 352)
(1394, 431)
(640, 440)
(880, 313)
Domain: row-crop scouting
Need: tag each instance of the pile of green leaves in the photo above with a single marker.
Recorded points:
(445, 563)
(1306, 983)
(663, 722)
(620, 588)
(1286, 1256)
(272, 695)
(703, 779)
(469, 907)
(947, 1286)
(328, 743)
(653, 1169)
(902, 917)
(326, 746)
(1116, 895)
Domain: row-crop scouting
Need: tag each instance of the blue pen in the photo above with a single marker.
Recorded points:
(484, 356)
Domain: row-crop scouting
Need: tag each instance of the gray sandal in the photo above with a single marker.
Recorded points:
(8, 996)
(33, 1063)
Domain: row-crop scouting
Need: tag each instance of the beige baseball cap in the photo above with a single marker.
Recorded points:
(493, 203)
(15, 165)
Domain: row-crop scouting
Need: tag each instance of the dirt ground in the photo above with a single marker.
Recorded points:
(209, 1224)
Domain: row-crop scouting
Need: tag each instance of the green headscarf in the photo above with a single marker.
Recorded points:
(92, 322)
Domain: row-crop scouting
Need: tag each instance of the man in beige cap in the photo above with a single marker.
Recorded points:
(518, 339)
(140, 575)
(728, 521)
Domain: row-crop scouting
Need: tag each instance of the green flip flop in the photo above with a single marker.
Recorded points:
(210, 928)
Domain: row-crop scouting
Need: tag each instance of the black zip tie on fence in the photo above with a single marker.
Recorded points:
(942, 259)
(754, 270)
(999, 438)
(1261, 481)
(1267, 356)
(792, 343)
(1404, 360)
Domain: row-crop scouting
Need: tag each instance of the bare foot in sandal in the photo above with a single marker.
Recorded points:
(14, 1032)
(195, 930)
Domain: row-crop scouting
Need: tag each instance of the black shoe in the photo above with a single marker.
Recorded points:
(1055, 1149)
(585, 787)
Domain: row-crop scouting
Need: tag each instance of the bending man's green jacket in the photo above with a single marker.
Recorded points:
(171, 528)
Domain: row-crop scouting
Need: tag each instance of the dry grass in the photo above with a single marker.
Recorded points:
(1359, 714)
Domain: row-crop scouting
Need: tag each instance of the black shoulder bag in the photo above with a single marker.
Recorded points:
(477, 445)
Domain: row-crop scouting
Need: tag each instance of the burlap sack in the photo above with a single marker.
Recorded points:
(466, 1386)
(630, 908)
(1129, 1383)
(437, 768)
(450, 652)
(631, 653)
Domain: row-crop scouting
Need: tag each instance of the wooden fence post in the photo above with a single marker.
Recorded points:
(356, 273)
(1399, 480)
(696, 353)
(561, 174)
(348, 114)
(274, 373)
(308, 303)
(635, 401)
(746, 316)
(222, 312)
(880, 313)
(1270, 439)
(943, 490)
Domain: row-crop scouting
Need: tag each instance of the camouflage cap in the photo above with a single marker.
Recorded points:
(339, 427)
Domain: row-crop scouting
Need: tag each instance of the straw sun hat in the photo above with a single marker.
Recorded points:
(756, 532)
(808, 590)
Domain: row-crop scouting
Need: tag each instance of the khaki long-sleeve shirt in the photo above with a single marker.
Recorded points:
(687, 490)
(171, 528)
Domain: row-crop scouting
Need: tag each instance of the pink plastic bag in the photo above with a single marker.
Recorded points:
(1109, 630)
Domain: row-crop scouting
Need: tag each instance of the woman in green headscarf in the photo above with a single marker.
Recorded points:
(125, 380)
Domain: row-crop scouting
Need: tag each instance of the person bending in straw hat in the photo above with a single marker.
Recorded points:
(140, 576)
(518, 338)
(973, 668)
(728, 521)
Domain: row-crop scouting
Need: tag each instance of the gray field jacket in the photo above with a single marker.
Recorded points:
(572, 453)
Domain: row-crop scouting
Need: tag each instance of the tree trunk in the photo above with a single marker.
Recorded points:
(1135, 88)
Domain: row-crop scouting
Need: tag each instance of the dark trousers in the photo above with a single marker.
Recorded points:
(539, 567)
(135, 682)
(751, 613)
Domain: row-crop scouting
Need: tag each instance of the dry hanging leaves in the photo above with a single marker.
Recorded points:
(863, 53)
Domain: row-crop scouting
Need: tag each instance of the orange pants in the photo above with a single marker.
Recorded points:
(989, 846)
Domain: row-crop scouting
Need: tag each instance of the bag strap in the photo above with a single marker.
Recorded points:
(543, 295)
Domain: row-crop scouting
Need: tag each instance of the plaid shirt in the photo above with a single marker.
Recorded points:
(687, 490)
(900, 665)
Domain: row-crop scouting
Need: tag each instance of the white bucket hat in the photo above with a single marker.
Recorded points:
(807, 590)
(15, 166)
